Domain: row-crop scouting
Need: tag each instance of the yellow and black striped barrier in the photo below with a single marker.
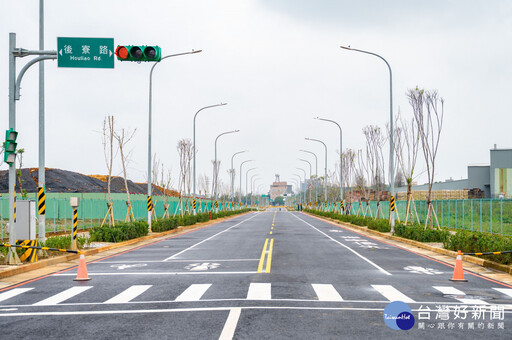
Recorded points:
(14, 206)
(75, 229)
(392, 204)
(41, 201)
(342, 205)
(194, 204)
(41, 248)
(490, 253)
(216, 205)
(31, 254)
(150, 204)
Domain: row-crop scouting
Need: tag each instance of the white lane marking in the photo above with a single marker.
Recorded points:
(422, 270)
(161, 273)
(209, 238)
(194, 292)
(326, 292)
(392, 294)
(459, 295)
(13, 292)
(63, 296)
(181, 310)
(228, 332)
(506, 291)
(202, 266)
(129, 294)
(190, 260)
(125, 266)
(341, 244)
(259, 291)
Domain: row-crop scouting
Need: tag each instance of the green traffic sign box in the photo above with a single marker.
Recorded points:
(85, 52)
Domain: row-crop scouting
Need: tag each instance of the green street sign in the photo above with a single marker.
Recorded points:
(85, 52)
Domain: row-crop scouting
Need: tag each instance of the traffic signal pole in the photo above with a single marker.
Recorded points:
(14, 94)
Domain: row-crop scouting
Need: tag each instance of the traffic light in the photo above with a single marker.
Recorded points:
(138, 53)
(10, 146)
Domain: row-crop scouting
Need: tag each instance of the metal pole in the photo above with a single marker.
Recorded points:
(391, 132)
(194, 145)
(12, 256)
(304, 160)
(300, 188)
(215, 170)
(246, 177)
(316, 169)
(325, 180)
(341, 153)
(149, 123)
(233, 174)
(41, 171)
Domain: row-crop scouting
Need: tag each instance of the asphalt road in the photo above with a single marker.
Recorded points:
(273, 274)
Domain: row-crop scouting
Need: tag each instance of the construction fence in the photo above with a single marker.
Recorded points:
(93, 209)
(484, 215)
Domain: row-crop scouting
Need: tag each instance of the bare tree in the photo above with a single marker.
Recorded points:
(123, 138)
(185, 151)
(108, 150)
(374, 142)
(406, 145)
(204, 183)
(428, 109)
(216, 168)
(348, 167)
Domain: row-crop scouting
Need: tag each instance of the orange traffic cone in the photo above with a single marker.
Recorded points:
(82, 270)
(458, 272)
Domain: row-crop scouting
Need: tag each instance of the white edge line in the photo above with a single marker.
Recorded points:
(184, 250)
(341, 244)
(161, 273)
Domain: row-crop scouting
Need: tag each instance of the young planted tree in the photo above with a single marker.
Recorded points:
(362, 173)
(348, 169)
(407, 141)
(428, 109)
(185, 153)
(374, 142)
(108, 150)
(123, 137)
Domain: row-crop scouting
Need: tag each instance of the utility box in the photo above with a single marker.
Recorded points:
(74, 202)
(25, 220)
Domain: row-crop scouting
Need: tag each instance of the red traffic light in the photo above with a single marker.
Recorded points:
(122, 52)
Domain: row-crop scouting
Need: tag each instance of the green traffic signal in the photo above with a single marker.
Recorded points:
(138, 53)
(10, 146)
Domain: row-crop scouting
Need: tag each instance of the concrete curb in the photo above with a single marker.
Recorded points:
(468, 258)
(23, 268)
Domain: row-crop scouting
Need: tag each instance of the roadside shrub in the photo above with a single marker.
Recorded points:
(375, 224)
(64, 242)
(476, 242)
(121, 232)
(164, 224)
(419, 233)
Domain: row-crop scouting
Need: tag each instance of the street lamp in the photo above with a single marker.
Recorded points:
(215, 168)
(252, 184)
(149, 128)
(250, 160)
(316, 168)
(304, 160)
(300, 187)
(233, 175)
(305, 176)
(325, 180)
(341, 153)
(391, 146)
(246, 177)
(194, 143)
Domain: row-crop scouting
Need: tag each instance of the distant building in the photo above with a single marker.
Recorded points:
(279, 188)
(494, 179)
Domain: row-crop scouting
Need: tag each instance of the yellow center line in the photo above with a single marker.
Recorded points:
(269, 258)
(274, 219)
(262, 258)
(270, 232)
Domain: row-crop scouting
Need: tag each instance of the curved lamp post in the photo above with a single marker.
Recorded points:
(316, 168)
(149, 128)
(246, 177)
(233, 175)
(391, 132)
(194, 143)
(305, 160)
(240, 196)
(341, 153)
(325, 180)
(215, 167)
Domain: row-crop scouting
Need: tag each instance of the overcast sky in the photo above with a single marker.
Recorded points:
(277, 63)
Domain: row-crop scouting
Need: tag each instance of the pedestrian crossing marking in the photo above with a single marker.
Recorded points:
(392, 294)
(63, 296)
(259, 291)
(194, 292)
(326, 292)
(506, 291)
(459, 295)
(129, 294)
(13, 292)
(256, 291)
